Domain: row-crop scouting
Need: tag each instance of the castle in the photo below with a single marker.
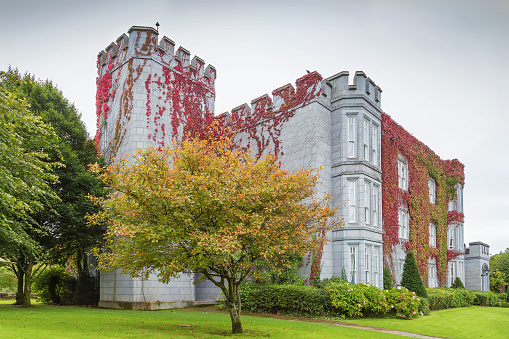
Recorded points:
(393, 193)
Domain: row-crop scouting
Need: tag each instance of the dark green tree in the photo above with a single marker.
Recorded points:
(64, 234)
(411, 278)
(26, 171)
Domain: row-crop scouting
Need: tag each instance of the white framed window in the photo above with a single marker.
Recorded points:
(374, 206)
(403, 224)
(351, 136)
(401, 266)
(432, 275)
(366, 202)
(452, 271)
(365, 138)
(432, 235)
(451, 238)
(403, 175)
(375, 266)
(367, 263)
(353, 264)
(459, 198)
(432, 190)
(352, 199)
(374, 144)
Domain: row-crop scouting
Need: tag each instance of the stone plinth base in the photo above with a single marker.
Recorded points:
(152, 306)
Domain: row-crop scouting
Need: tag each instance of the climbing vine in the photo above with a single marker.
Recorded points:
(423, 164)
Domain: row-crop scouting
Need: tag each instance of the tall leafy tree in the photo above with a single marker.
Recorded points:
(26, 171)
(205, 206)
(499, 270)
(62, 232)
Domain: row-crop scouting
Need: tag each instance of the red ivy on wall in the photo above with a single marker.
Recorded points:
(422, 164)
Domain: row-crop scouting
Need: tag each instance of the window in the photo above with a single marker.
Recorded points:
(352, 196)
(432, 276)
(367, 263)
(375, 267)
(432, 190)
(374, 206)
(452, 271)
(351, 137)
(403, 224)
(353, 264)
(451, 238)
(374, 144)
(403, 175)
(432, 235)
(401, 266)
(366, 202)
(459, 198)
(365, 138)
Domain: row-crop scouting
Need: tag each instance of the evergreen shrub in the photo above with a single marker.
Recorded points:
(443, 298)
(457, 283)
(333, 280)
(387, 279)
(502, 296)
(485, 298)
(285, 299)
(55, 286)
(87, 291)
(424, 306)
(411, 278)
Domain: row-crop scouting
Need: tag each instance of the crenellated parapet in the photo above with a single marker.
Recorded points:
(362, 86)
(142, 43)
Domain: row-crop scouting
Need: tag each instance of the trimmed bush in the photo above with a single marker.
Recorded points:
(457, 283)
(55, 286)
(387, 279)
(326, 282)
(285, 299)
(442, 298)
(411, 278)
(424, 306)
(485, 298)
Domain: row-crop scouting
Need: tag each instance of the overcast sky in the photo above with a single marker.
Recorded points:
(442, 66)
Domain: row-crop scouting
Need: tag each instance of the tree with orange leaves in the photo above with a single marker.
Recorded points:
(205, 206)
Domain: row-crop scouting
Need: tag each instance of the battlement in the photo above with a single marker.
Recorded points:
(287, 96)
(142, 43)
(362, 86)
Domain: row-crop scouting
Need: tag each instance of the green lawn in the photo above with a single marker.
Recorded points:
(43, 321)
(464, 322)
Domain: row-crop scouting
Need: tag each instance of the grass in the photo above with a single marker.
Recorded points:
(44, 321)
(464, 322)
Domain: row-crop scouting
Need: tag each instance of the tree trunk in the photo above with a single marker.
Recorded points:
(28, 283)
(19, 292)
(234, 307)
(235, 316)
(24, 275)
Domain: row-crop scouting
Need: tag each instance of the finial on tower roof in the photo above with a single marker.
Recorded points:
(157, 26)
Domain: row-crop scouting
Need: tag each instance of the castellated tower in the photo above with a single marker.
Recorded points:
(147, 94)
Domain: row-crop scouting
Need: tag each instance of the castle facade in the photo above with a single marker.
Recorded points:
(393, 193)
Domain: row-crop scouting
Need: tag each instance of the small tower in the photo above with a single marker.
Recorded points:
(477, 266)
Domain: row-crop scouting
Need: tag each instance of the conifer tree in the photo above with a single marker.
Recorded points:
(411, 278)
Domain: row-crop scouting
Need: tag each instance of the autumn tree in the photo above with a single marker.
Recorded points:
(206, 206)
